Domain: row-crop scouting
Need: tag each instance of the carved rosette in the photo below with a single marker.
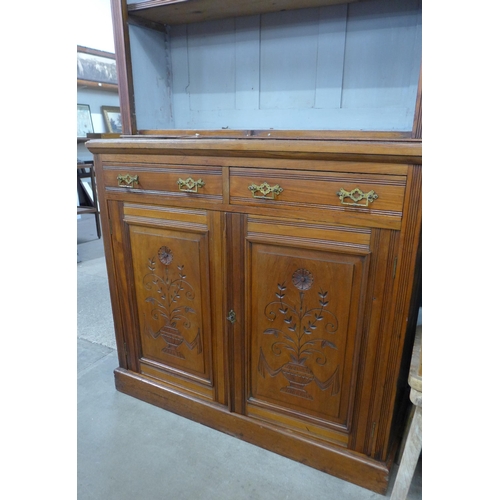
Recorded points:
(302, 279)
(165, 255)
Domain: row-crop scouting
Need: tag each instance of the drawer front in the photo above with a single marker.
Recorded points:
(165, 180)
(366, 198)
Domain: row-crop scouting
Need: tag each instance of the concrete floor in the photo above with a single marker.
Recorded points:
(131, 450)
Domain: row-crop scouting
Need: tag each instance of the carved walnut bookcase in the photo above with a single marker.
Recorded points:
(261, 218)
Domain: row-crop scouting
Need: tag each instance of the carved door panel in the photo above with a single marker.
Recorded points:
(171, 287)
(305, 301)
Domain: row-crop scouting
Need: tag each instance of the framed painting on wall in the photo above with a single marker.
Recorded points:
(112, 119)
(83, 120)
(96, 66)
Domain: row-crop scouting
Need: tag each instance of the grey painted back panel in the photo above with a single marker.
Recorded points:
(382, 57)
(151, 78)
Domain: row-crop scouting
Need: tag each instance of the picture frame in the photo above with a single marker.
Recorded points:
(96, 67)
(83, 120)
(112, 119)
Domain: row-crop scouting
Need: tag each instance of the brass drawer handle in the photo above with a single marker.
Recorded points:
(190, 185)
(267, 192)
(357, 195)
(127, 180)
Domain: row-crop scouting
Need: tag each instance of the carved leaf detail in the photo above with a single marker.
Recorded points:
(328, 343)
(272, 331)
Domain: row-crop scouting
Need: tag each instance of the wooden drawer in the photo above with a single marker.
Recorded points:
(352, 198)
(176, 182)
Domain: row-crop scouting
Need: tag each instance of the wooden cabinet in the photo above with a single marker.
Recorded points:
(267, 293)
(261, 220)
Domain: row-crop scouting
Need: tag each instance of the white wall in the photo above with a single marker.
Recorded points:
(93, 24)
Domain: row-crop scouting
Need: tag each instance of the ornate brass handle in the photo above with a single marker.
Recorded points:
(267, 192)
(190, 185)
(127, 180)
(357, 195)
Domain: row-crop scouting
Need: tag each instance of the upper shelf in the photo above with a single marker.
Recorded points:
(83, 84)
(192, 11)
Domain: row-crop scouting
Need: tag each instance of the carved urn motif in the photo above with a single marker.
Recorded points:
(168, 299)
(295, 338)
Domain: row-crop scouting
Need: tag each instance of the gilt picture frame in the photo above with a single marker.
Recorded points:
(112, 119)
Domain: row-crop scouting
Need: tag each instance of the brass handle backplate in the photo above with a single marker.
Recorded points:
(267, 192)
(190, 185)
(127, 180)
(356, 195)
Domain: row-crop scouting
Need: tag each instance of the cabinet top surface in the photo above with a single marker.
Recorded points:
(406, 151)
(191, 11)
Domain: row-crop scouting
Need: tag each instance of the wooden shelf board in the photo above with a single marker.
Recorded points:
(191, 11)
(110, 87)
(272, 134)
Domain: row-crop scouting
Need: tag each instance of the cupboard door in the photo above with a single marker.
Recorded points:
(305, 297)
(170, 287)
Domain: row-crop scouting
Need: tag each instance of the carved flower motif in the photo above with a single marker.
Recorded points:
(165, 255)
(302, 279)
